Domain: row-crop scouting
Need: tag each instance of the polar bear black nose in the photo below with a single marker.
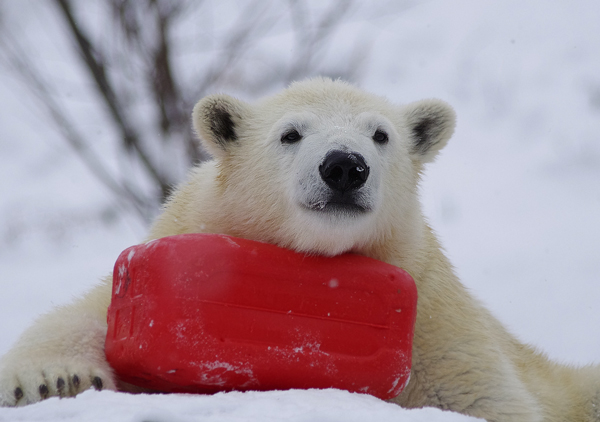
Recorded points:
(344, 171)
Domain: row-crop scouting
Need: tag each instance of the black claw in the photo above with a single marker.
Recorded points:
(43, 389)
(76, 382)
(18, 393)
(97, 383)
(60, 385)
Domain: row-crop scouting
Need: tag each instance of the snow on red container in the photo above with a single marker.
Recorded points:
(203, 313)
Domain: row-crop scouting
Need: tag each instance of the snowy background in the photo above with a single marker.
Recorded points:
(514, 197)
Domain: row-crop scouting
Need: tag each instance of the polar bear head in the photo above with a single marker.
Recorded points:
(321, 167)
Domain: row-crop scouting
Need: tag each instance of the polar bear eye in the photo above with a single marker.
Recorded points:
(291, 137)
(380, 136)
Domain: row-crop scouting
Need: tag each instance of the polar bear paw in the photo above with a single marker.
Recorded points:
(28, 383)
(60, 356)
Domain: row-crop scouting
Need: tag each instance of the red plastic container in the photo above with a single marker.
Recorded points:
(204, 313)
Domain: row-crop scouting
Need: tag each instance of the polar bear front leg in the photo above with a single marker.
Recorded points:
(62, 354)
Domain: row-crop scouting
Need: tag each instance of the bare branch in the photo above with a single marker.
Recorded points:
(19, 61)
(96, 67)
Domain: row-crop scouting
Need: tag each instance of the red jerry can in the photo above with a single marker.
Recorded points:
(203, 313)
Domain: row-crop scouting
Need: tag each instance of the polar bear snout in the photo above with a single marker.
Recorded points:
(340, 186)
(344, 171)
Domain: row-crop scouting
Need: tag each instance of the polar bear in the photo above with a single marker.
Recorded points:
(325, 168)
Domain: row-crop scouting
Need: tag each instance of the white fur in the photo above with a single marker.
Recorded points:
(260, 188)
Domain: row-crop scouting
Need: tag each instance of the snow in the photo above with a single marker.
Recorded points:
(272, 406)
(515, 198)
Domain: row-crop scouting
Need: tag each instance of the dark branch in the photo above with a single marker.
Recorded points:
(27, 71)
(96, 67)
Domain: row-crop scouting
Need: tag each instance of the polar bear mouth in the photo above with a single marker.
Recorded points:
(336, 207)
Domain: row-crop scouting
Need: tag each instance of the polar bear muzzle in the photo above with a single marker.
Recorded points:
(343, 171)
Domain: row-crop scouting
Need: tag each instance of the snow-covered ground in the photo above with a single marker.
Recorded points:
(515, 198)
(272, 406)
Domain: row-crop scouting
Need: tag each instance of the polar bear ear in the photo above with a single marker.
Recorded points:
(430, 124)
(216, 119)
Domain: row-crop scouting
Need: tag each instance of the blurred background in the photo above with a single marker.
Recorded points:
(95, 99)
